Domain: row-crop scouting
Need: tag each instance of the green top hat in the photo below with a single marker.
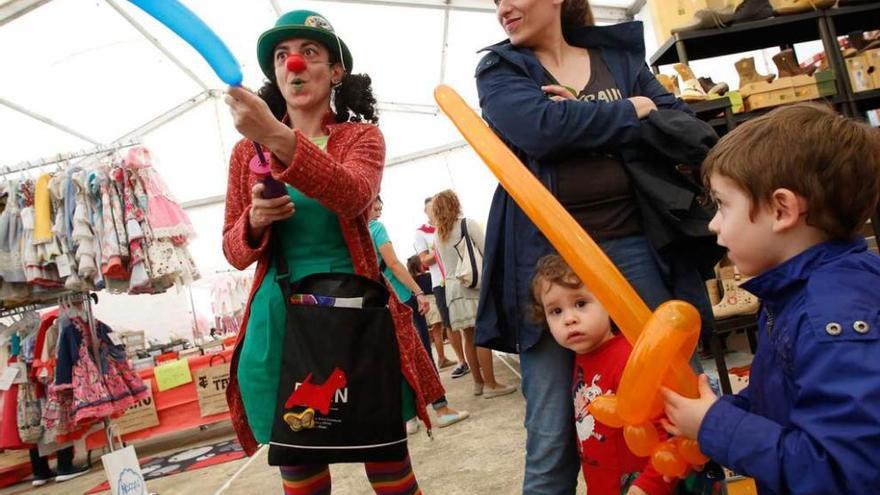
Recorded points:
(300, 24)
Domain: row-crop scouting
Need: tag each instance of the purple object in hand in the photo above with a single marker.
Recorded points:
(259, 166)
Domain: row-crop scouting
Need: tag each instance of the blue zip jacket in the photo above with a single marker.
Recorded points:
(509, 81)
(809, 421)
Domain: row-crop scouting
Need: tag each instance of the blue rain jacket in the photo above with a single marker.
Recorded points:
(809, 421)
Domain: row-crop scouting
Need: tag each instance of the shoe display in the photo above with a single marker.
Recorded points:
(789, 7)
(460, 371)
(69, 474)
(752, 10)
(713, 88)
(451, 419)
(735, 300)
(713, 291)
(670, 83)
(708, 18)
(858, 43)
(691, 89)
(491, 393)
(412, 426)
(745, 67)
(788, 66)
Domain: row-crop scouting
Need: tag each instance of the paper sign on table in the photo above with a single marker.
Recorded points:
(139, 416)
(173, 374)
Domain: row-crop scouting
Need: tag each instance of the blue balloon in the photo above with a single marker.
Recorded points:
(194, 31)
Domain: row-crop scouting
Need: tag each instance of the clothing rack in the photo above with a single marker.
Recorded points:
(63, 157)
(67, 299)
(27, 308)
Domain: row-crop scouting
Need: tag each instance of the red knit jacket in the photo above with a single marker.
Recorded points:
(345, 180)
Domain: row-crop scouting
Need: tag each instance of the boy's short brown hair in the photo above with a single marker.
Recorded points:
(832, 161)
(552, 269)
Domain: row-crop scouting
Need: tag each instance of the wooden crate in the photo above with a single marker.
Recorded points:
(826, 80)
(805, 87)
(860, 70)
(768, 94)
(872, 59)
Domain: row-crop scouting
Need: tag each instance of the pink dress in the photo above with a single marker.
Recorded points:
(167, 219)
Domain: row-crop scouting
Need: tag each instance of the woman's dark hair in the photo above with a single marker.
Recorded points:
(353, 98)
(577, 13)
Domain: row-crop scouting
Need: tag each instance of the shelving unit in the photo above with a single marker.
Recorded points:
(781, 31)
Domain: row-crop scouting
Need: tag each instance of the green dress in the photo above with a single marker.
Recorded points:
(312, 242)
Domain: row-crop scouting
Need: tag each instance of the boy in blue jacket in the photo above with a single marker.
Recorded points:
(793, 189)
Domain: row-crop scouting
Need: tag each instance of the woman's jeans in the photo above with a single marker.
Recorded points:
(552, 463)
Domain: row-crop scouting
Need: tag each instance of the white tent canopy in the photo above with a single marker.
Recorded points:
(85, 73)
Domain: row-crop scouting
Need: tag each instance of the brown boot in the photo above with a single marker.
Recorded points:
(670, 83)
(745, 67)
(788, 67)
(691, 89)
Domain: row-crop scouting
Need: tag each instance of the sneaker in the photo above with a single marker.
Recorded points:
(460, 371)
(491, 393)
(446, 363)
(412, 426)
(451, 419)
(74, 472)
(40, 480)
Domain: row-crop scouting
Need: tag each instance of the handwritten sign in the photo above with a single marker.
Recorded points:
(173, 374)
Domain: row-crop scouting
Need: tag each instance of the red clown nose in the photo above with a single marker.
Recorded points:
(296, 63)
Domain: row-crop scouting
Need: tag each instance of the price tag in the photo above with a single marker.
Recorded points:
(8, 377)
(63, 264)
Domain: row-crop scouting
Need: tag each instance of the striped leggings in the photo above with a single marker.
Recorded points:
(386, 478)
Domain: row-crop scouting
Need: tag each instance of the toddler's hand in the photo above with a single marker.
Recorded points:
(634, 490)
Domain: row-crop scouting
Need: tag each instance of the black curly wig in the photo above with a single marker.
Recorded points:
(352, 98)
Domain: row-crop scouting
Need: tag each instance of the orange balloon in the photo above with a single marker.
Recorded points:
(641, 439)
(673, 326)
(658, 406)
(668, 462)
(689, 450)
(604, 409)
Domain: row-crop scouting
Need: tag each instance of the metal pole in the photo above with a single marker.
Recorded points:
(156, 43)
(192, 305)
(445, 42)
(47, 120)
